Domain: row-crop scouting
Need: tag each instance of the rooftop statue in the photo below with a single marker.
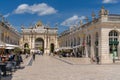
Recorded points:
(39, 24)
(103, 11)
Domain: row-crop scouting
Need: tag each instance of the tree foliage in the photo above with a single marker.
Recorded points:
(17, 50)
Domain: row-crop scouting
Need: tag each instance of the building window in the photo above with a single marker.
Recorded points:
(88, 40)
(74, 41)
(113, 43)
(96, 39)
(66, 43)
(96, 44)
(2, 37)
(71, 44)
(78, 41)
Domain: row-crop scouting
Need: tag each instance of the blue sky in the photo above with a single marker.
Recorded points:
(62, 12)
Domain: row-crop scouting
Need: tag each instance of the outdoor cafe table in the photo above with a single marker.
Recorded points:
(3, 68)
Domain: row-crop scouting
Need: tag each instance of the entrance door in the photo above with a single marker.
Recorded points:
(52, 47)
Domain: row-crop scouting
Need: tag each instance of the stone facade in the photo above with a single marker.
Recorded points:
(9, 36)
(94, 38)
(39, 37)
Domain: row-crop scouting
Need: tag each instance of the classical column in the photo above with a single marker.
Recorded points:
(31, 34)
(86, 48)
(86, 51)
(56, 42)
(48, 44)
(33, 41)
(92, 45)
(119, 47)
(46, 41)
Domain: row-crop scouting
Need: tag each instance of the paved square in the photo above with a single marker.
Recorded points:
(50, 68)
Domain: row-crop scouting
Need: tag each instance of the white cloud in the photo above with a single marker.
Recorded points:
(7, 15)
(40, 9)
(72, 20)
(110, 1)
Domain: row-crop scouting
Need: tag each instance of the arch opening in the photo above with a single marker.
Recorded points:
(39, 44)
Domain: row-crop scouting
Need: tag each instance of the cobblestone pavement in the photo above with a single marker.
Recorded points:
(49, 68)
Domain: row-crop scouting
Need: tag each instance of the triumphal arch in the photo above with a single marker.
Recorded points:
(39, 37)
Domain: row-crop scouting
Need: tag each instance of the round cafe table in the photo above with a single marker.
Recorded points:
(3, 68)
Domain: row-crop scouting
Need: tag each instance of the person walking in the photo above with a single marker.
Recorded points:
(97, 59)
(34, 56)
(26, 55)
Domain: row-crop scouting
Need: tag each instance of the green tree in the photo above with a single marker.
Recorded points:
(17, 50)
(40, 48)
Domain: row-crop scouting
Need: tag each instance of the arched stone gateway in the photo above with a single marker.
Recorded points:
(40, 37)
(39, 44)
